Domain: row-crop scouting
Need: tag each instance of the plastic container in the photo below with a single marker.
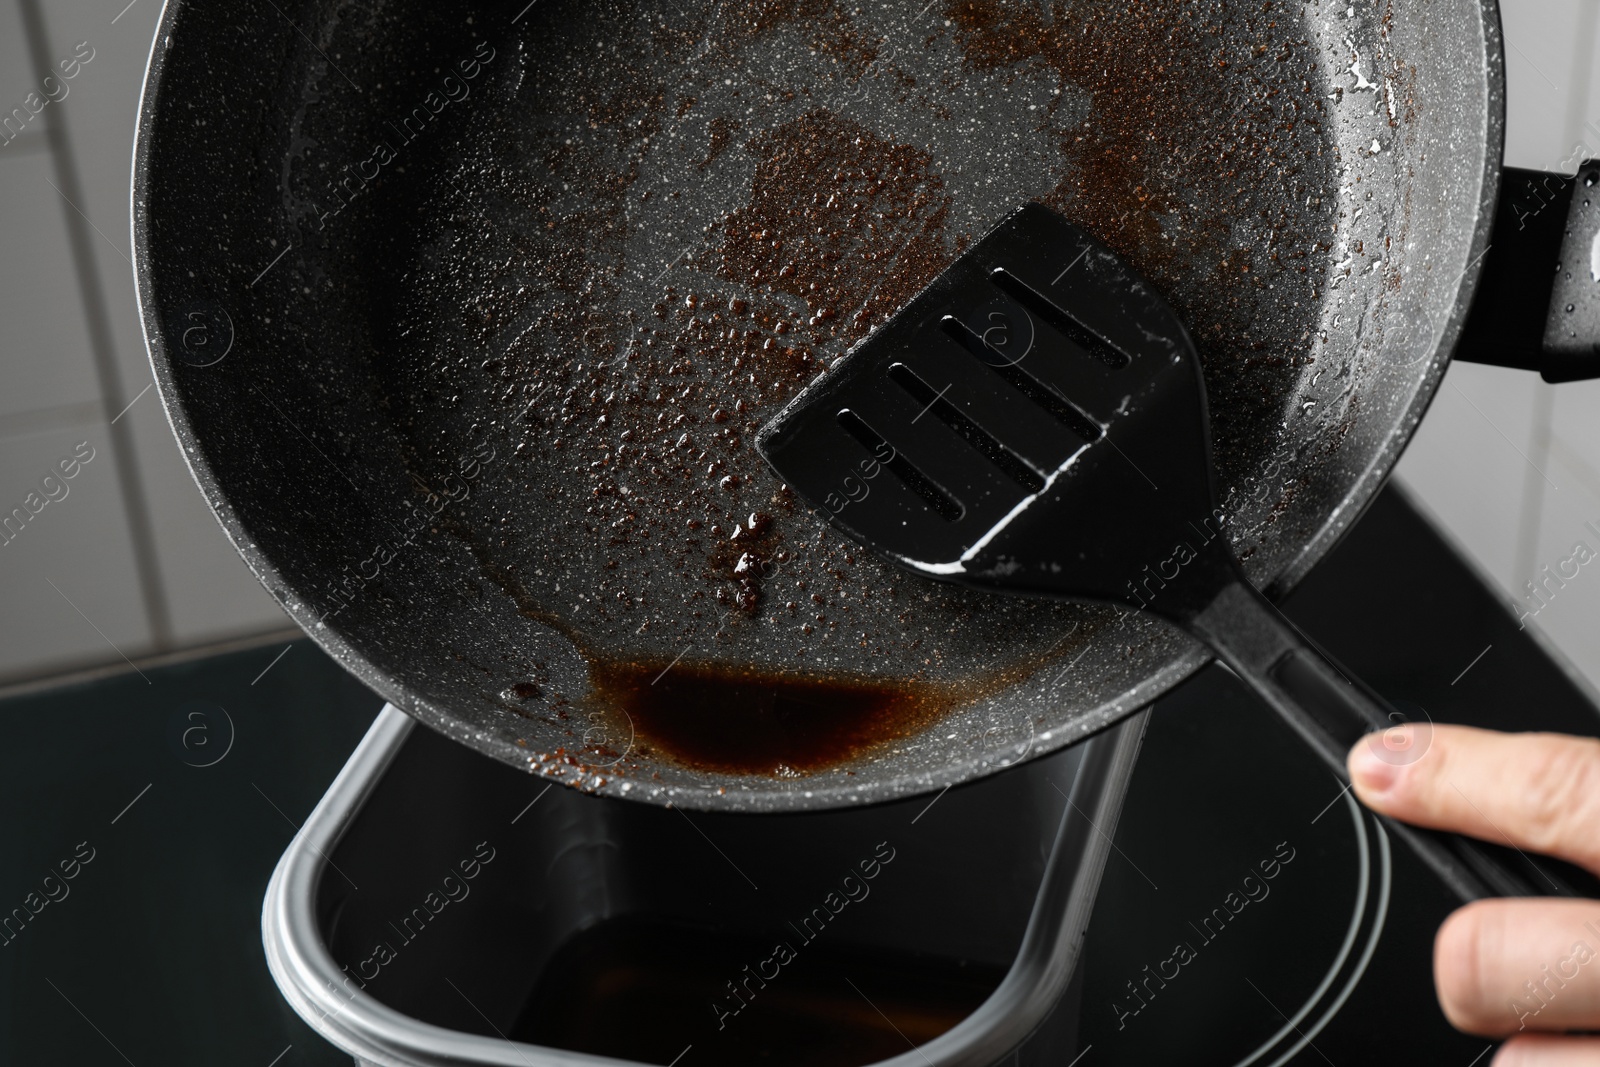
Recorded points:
(441, 908)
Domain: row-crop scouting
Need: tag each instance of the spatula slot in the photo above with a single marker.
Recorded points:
(1060, 408)
(933, 402)
(1062, 321)
(939, 502)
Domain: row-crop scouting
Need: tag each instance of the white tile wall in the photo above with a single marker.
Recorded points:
(79, 543)
(50, 382)
(210, 593)
(17, 80)
(1479, 463)
(47, 363)
(1466, 461)
(1510, 465)
(1550, 79)
(1568, 516)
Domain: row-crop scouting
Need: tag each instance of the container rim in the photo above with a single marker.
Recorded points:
(333, 1005)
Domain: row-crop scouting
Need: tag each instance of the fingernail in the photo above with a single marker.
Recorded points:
(1368, 768)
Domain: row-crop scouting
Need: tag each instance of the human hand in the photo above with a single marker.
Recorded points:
(1524, 969)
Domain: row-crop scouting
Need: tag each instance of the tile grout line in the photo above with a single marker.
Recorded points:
(102, 347)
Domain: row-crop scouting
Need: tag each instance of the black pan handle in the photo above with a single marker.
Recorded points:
(1331, 712)
(1537, 304)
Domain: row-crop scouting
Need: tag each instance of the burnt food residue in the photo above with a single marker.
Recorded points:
(717, 719)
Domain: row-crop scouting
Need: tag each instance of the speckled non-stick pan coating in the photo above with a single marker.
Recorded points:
(465, 316)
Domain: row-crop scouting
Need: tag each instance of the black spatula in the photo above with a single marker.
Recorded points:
(1035, 422)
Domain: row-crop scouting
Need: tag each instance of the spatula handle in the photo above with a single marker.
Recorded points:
(1332, 711)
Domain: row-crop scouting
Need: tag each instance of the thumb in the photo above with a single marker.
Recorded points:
(1536, 792)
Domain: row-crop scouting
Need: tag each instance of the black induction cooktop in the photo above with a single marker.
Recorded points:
(1249, 913)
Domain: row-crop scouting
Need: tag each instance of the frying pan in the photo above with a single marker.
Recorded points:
(465, 315)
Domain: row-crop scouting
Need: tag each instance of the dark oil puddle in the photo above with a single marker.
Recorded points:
(731, 722)
(641, 990)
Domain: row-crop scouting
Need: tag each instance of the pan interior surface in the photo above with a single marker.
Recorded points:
(485, 429)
